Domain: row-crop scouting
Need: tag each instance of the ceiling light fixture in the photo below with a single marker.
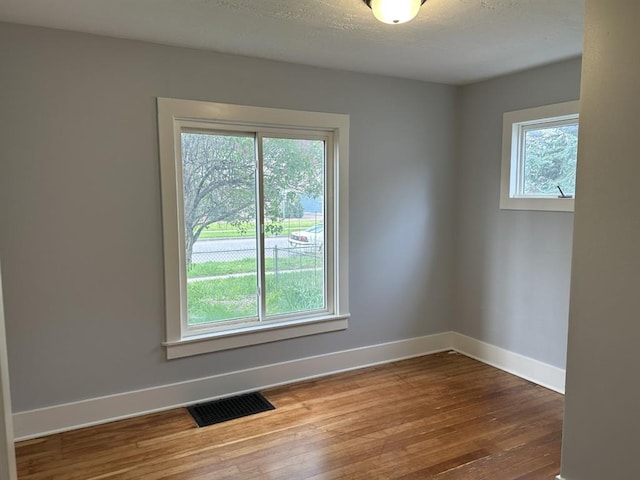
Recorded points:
(394, 11)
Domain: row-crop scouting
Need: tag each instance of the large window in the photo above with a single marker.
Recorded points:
(539, 158)
(254, 214)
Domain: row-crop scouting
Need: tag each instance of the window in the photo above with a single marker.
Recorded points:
(539, 157)
(254, 222)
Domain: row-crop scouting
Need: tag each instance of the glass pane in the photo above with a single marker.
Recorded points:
(550, 158)
(294, 206)
(220, 226)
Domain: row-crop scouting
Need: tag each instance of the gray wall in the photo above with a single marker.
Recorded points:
(80, 237)
(513, 267)
(603, 393)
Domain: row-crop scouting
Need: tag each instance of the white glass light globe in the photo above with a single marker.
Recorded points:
(395, 11)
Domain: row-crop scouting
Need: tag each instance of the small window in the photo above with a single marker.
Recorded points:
(254, 219)
(539, 158)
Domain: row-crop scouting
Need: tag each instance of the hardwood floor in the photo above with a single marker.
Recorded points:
(442, 416)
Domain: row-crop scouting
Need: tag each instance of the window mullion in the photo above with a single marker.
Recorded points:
(262, 306)
(330, 180)
(520, 161)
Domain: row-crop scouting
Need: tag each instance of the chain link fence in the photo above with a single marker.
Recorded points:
(241, 261)
(274, 252)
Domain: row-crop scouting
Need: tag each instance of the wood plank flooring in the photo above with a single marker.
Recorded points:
(442, 416)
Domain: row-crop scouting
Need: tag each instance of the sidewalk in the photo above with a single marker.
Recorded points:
(248, 274)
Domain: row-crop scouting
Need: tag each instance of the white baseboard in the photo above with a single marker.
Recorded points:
(533, 370)
(558, 477)
(69, 416)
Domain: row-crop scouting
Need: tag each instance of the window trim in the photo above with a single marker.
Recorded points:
(172, 115)
(512, 124)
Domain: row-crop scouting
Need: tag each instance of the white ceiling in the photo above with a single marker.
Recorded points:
(451, 41)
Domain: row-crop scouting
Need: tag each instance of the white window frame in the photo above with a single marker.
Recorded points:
(176, 115)
(514, 125)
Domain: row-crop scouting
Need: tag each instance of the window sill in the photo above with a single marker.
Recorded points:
(254, 335)
(539, 204)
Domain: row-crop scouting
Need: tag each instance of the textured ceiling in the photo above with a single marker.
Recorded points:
(451, 41)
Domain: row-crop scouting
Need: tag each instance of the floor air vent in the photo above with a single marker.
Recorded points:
(225, 409)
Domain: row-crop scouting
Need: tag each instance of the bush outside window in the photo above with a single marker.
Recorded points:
(539, 158)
